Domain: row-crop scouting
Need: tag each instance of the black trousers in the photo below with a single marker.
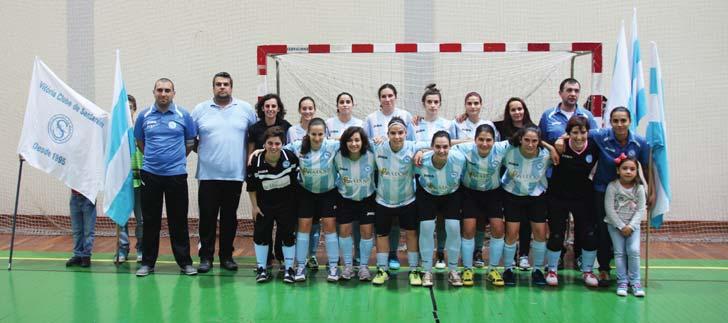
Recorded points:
(218, 197)
(604, 240)
(584, 222)
(285, 220)
(173, 190)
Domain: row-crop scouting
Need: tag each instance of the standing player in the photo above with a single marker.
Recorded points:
(438, 180)
(307, 110)
(483, 199)
(356, 167)
(271, 186)
(525, 184)
(395, 198)
(376, 126)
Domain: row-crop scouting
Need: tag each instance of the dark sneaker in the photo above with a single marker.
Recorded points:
(604, 279)
(205, 266)
(229, 264)
(188, 270)
(85, 262)
(262, 275)
(478, 260)
(509, 278)
(537, 278)
(288, 276)
(73, 261)
(144, 270)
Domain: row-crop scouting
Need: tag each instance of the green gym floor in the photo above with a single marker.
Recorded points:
(40, 289)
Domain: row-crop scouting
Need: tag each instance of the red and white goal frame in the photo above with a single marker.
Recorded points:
(581, 48)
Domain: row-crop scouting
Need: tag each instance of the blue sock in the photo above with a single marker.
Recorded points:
(479, 237)
(332, 248)
(509, 251)
(261, 255)
(383, 260)
(539, 252)
(302, 248)
(288, 255)
(587, 260)
(365, 250)
(427, 243)
(441, 235)
(315, 238)
(346, 246)
(468, 246)
(413, 259)
(452, 243)
(552, 258)
(495, 252)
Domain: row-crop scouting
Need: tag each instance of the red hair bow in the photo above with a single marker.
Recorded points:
(620, 158)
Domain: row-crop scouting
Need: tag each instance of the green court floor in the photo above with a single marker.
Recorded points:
(41, 289)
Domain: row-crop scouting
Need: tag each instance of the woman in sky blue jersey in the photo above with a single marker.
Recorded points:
(355, 164)
(525, 183)
(317, 178)
(483, 200)
(344, 118)
(438, 194)
(395, 198)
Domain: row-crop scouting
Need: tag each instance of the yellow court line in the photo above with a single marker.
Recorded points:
(172, 262)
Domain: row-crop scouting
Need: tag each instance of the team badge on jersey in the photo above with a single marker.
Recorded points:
(589, 158)
(539, 165)
(368, 169)
(631, 153)
(454, 174)
(406, 159)
(326, 155)
(286, 164)
(172, 125)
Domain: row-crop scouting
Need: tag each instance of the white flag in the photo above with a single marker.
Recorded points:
(63, 133)
(621, 84)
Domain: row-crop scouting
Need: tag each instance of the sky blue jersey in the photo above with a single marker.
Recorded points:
(482, 173)
(445, 180)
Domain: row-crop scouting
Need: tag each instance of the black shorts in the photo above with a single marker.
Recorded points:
(482, 205)
(430, 206)
(383, 216)
(349, 210)
(317, 205)
(531, 208)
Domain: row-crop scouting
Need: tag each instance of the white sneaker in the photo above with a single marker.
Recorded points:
(552, 279)
(454, 278)
(440, 264)
(121, 259)
(347, 273)
(139, 258)
(523, 263)
(364, 274)
(333, 274)
(622, 289)
(590, 280)
(300, 273)
(427, 279)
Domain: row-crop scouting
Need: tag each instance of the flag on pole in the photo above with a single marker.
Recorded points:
(637, 98)
(63, 133)
(620, 88)
(655, 135)
(119, 188)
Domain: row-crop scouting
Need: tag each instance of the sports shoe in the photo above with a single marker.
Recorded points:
(312, 263)
(85, 262)
(414, 278)
(73, 261)
(552, 279)
(454, 278)
(333, 275)
(589, 279)
(537, 277)
(121, 259)
(622, 289)
(231, 265)
(427, 279)
(523, 263)
(637, 290)
(300, 274)
(381, 277)
(188, 270)
(478, 261)
(144, 270)
(394, 264)
(364, 274)
(603, 279)
(262, 275)
(348, 272)
(509, 278)
(205, 266)
(468, 276)
(495, 278)
(289, 276)
(440, 263)
(139, 258)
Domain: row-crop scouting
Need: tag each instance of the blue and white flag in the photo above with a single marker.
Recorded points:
(620, 88)
(655, 135)
(637, 99)
(119, 188)
(63, 133)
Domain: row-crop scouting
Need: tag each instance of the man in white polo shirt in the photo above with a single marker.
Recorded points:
(222, 126)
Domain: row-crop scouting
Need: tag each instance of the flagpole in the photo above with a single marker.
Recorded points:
(650, 183)
(15, 213)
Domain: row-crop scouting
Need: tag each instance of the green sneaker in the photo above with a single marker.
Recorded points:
(381, 277)
(415, 278)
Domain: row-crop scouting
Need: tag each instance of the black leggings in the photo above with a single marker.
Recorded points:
(584, 222)
(285, 221)
(604, 244)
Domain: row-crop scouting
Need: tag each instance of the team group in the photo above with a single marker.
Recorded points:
(362, 181)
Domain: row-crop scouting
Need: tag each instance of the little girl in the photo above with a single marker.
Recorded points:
(624, 205)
